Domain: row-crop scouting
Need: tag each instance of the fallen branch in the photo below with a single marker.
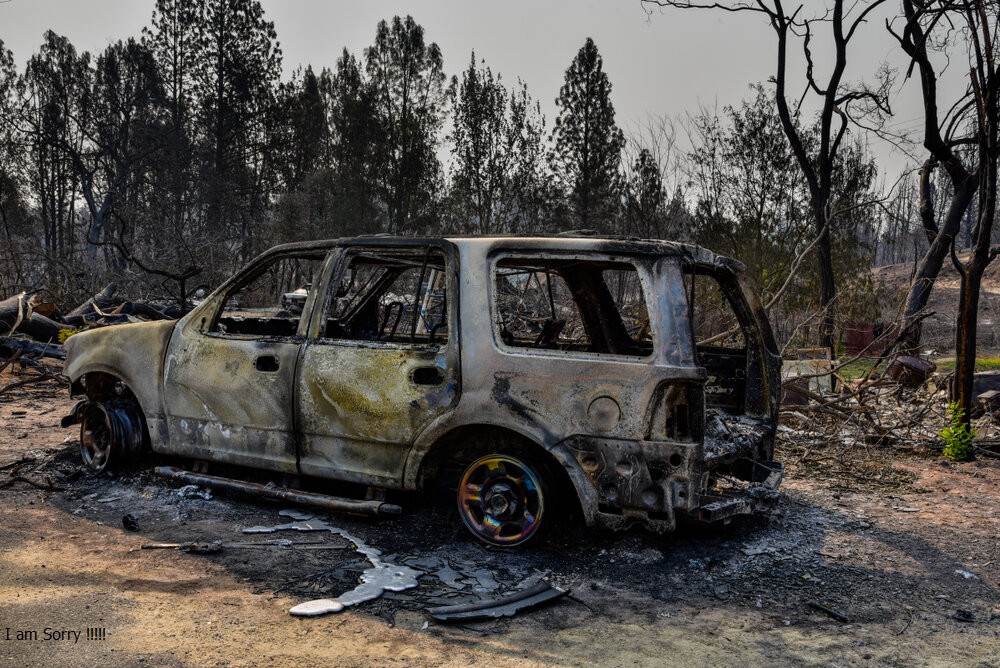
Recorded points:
(28, 381)
(16, 477)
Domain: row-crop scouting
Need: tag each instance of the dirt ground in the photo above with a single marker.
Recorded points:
(891, 563)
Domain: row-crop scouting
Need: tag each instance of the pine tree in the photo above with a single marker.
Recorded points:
(646, 197)
(172, 204)
(127, 103)
(410, 99)
(239, 63)
(496, 145)
(11, 193)
(303, 139)
(587, 144)
(14, 221)
(56, 112)
(358, 151)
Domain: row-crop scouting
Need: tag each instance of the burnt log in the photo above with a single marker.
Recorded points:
(13, 307)
(33, 349)
(144, 310)
(41, 328)
(17, 315)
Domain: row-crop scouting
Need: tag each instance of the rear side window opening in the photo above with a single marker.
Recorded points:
(571, 305)
(719, 336)
(393, 296)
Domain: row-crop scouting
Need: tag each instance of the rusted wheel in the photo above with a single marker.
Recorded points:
(501, 499)
(111, 433)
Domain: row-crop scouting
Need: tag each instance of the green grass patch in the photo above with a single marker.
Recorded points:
(947, 364)
(857, 368)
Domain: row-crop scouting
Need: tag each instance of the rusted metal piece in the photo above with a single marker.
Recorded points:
(910, 371)
(988, 401)
(278, 493)
(508, 606)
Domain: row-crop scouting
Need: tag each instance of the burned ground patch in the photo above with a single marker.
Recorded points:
(901, 570)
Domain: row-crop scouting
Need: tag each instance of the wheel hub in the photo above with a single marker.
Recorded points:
(501, 502)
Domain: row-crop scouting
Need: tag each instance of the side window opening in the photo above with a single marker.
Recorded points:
(571, 305)
(271, 302)
(720, 342)
(712, 316)
(393, 296)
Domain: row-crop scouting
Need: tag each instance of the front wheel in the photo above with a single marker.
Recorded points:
(501, 499)
(111, 434)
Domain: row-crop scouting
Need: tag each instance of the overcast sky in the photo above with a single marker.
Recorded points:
(664, 64)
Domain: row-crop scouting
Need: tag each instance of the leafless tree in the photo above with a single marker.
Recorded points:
(964, 29)
(835, 97)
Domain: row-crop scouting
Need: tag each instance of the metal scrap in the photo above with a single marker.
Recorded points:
(507, 606)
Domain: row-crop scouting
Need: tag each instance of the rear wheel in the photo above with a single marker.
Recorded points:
(111, 434)
(501, 499)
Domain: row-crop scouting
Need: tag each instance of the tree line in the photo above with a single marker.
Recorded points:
(183, 149)
(176, 155)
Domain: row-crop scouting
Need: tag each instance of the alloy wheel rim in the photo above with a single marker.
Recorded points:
(500, 500)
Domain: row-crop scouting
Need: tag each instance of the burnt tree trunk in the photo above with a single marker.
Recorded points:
(941, 240)
(966, 331)
(827, 286)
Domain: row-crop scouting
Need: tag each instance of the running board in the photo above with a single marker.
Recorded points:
(291, 495)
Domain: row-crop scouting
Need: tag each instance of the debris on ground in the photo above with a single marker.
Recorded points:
(34, 328)
(508, 606)
(740, 588)
(381, 577)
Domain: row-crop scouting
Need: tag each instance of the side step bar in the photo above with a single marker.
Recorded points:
(291, 495)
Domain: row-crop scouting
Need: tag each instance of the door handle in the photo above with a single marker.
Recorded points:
(427, 375)
(268, 363)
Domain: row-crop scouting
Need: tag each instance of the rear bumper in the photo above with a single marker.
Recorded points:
(650, 483)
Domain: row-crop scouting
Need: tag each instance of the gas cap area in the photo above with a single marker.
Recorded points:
(604, 413)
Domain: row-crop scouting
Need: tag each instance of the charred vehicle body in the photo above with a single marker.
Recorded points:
(625, 381)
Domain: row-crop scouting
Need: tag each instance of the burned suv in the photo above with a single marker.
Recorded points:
(616, 380)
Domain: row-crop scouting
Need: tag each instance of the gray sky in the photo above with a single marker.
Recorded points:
(666, 64)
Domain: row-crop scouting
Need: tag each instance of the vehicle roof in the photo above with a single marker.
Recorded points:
(569, 242)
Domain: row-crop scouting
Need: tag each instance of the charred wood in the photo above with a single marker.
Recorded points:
(10, 346)
(93, 307)
(17, 315)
